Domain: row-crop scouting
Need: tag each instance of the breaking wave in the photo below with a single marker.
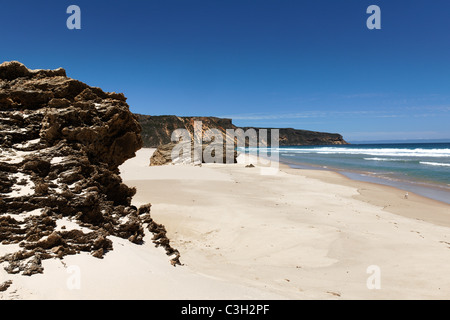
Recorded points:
(435, 164)
(386, 159)
(376, 152)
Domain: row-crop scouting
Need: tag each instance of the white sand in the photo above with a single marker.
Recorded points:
(293, 235)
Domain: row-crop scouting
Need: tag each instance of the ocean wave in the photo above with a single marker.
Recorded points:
(435, 164)
(381, 152)
(386, 159)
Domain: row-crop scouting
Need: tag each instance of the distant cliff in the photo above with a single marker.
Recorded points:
(295, 137)
(157, 130)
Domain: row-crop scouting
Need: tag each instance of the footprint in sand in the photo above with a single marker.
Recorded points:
(336, 294)
(418, 234)
(446, 243)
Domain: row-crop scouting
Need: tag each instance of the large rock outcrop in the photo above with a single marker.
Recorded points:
(187, 153)
(60, 191)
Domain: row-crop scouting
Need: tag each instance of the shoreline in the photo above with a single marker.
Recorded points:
(369, 191)
(299, 234)
(427, 189)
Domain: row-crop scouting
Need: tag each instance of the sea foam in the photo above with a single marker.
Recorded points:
(386, 152)
(435, 164)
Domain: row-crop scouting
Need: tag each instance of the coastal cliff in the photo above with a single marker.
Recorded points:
(296, 137)
(157, 130)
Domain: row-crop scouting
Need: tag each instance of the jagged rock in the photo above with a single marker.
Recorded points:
(163, 154)
(33, 266)
(27, 262)
(41, 188)
(62, 142)
(5, 285)
(13, 70)
(160, 239)
(51, 241)
(98, 253)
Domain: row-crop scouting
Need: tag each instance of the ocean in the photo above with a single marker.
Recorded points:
(423, 168)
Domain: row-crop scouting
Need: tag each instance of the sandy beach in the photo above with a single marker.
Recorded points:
(301, 151)
(298, 234)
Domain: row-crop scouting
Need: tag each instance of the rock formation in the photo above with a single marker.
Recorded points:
(296, 137)
(157, 131)
(187, 153)
(60, 191)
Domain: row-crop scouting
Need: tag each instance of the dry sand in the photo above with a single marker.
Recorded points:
(299, 234)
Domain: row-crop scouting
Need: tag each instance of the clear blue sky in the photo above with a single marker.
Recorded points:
(279, 63)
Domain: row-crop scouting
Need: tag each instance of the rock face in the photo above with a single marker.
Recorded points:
(157, 130)
(295, 137)
(157, 133)
(189, 154)
(61, 144)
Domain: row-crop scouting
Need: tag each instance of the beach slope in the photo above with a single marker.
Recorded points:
(297, 234)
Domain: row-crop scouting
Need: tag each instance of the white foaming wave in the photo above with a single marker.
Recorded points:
(386, 152)
(435, 164)
(385, 159)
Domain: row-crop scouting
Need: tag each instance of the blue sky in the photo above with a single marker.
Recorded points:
(271, 63)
